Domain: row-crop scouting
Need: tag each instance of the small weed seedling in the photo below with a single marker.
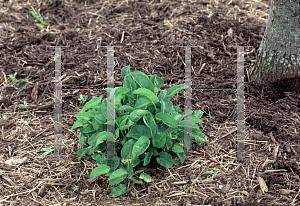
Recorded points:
(147, 126)
(44, 20)
(23, 105)
(186, 189)
(82, 99)
(20, 83)
(211, 172)
(13, 77)
(46, 152)
(78, 30)
(76, 108)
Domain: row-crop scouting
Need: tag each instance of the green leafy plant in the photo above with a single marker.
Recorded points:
(20, 83)
(82, 98)
(24, 105)
(44, 20)
(13, 77)
(148, 127)
(78, 30)
(46, 152)
(76, 108)
(185, 189)
(211, 172)
(73, 187)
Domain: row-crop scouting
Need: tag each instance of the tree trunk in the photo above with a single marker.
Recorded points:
(279, 52)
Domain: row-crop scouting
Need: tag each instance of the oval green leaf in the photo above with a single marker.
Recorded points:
(177, 148)
(78, 123)
(167, 119)
(127, 148)
(140, 146)
(145, 177)
(147, 93)
(93, 102)
(117, 176)
(137, 114)
(142, 80)
(100, 170)
(165, 159)
(159, 139)
(120, 190)
(125, 70)
(173, 90)
(83, 116)
(147, 158)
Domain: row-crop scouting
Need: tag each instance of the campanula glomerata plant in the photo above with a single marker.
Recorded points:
(148, 127)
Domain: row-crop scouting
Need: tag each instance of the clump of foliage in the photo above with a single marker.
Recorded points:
(44, 21)
(147, 126)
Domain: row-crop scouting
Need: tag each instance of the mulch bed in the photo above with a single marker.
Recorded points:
(150, 34)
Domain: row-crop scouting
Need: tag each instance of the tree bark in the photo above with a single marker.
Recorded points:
(279, 52)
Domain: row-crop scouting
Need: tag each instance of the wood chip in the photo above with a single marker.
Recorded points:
(262, 184)
(285, 191)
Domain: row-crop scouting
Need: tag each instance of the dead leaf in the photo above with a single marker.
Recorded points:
(42, 191)
(286, 191)
(15, 161)
(34, 92)
(262, 184)
(229, 32)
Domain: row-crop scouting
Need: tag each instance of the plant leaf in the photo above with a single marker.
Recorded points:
(125, 70)
(100, 170)
(159, 139)
(173, 90)
(181, 157)
(120, 190)
(140, 146)
(137, 114)
(197, 120)
(83, 116)
(142, 103)
(21, 83)
(81, 153)
(127, 148)
(117, 176)
(166, 106)
(101, 137)
(197, 114)
(147, 158)
(78, 123)
(90, 104)
(126, 108)
(33, 14)
(147, 93)
(150, 123)
(139, 130)
(177, 148)
(39, 25)
(135, 180)
(165, 159)
(167, 119)
(129, 83)
(142, 80)
(145, 177)
(81, 140)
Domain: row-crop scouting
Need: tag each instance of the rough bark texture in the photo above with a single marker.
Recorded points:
(279, 52)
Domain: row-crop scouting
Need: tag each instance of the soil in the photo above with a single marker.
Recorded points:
(150, 34)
